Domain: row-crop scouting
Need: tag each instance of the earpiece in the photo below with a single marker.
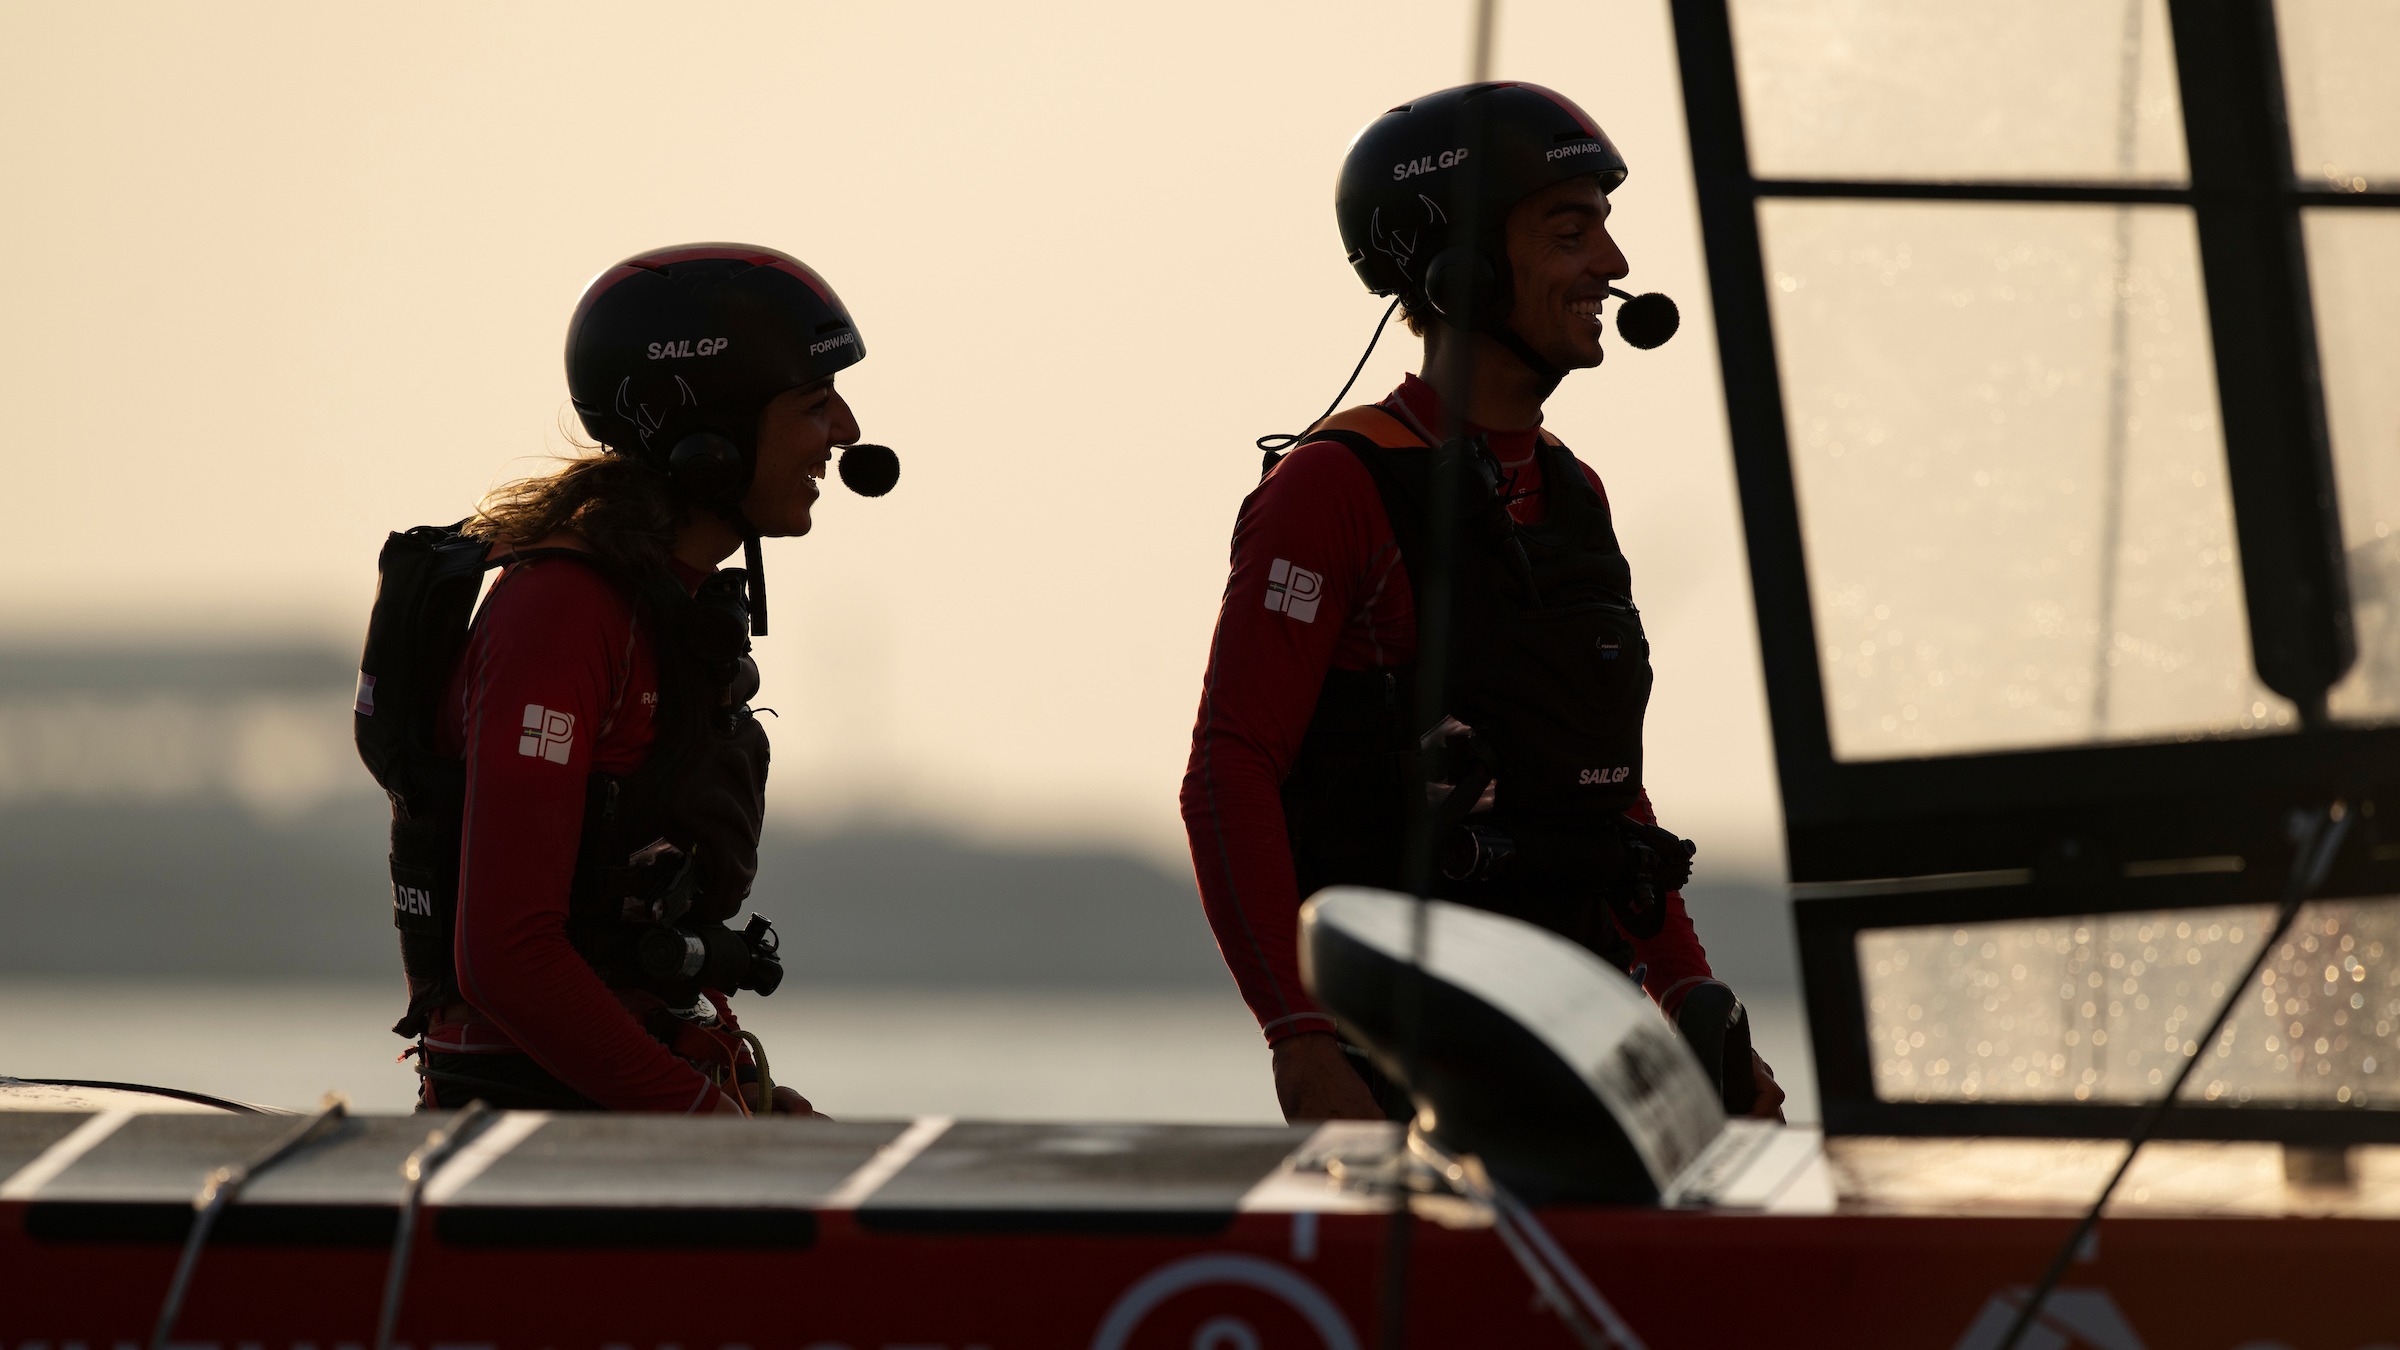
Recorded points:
(1646, 320)
(708, 467)
(1465, 289)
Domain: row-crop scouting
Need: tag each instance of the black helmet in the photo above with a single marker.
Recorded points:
(672, 354)
(1413, 174)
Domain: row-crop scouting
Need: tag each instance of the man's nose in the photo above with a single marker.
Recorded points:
(845, 422)
(1611, 263)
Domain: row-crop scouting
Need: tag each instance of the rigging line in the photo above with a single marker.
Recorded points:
(1436, 592)
(2120, 318)
(222, 1187)
(1556, 1279)
(418, 1169)
(2319, 837)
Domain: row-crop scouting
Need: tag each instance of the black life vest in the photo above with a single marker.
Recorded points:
(674, 841)
(1548, 665)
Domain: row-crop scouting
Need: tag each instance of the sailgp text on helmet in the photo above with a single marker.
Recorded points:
(672, 354)
(1425, 191)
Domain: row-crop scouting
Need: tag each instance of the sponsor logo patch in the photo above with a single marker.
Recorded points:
(412, 900)
(1295, 591)
(548, 733)
(1615, 775)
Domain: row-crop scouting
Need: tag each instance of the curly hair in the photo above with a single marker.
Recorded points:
(627, 511)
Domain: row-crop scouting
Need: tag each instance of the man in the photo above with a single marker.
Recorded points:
(1328, 750)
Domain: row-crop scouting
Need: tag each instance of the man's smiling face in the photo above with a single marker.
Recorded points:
(1562, 260)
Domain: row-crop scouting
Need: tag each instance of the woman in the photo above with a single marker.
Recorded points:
(610, 775)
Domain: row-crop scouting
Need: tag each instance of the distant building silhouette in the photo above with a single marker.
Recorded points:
(200, 811)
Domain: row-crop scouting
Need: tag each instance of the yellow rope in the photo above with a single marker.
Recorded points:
(766, 1085)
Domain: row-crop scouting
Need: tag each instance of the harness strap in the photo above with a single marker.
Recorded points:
(1374, 423)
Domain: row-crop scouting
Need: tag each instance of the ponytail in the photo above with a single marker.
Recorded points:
(626, 511)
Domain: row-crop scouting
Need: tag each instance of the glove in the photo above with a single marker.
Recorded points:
(1655, 856)
(1650, 863)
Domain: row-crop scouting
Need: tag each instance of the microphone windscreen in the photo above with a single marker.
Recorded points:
(870, 470)
(1648, 320)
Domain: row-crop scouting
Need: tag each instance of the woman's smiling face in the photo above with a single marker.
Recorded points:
(797, 433)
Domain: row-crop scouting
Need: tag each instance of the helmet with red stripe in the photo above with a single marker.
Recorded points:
(1426, 189)
(672, 354)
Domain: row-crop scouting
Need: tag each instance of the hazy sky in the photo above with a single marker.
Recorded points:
(289, 276)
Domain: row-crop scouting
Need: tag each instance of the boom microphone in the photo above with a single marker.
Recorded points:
(1646, 321)
(871, 470)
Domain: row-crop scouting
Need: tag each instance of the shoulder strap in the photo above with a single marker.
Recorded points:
(1572, 497)
(1399, 462)
(1370, 423)
(517, 556)
(1400, 458)
(659, 600)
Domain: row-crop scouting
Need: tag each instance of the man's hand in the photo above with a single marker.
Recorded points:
(1769, 1105)
(1314, 1081)
(1668, 864)
(790, 1103)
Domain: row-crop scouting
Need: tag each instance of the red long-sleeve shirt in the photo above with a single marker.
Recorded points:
(557, 682)
(1319, 513)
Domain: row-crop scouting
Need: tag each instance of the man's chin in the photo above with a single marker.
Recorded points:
(789, 528)
(1572, 350)
(1576, 355)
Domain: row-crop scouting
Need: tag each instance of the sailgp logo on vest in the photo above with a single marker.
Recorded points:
(1615, 775)
(412, 900)
(1294, 590)
(548, 733)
